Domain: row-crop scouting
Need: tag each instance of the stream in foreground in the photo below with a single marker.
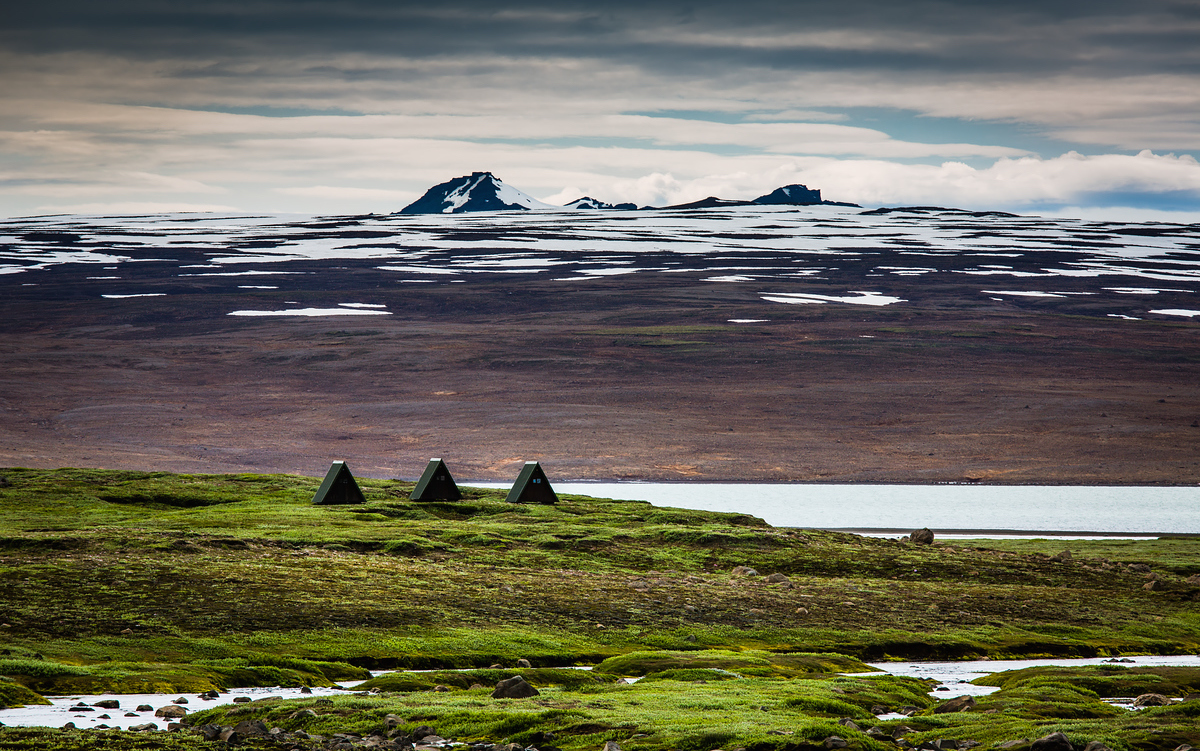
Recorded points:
(955, 676)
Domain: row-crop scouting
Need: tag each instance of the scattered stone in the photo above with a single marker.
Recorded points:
(81, 707)
(69, 726)
(901, 730)
(104, 716)
(523, 663)
(421, 732)
(126, 632)
(131, 714)
(441, 689)
(144, 727)
(107, 704)
(744, 571)
(691, 609)
(1153, 585)
(849, 723)
(230, 736)
(1053, 742)
(302, 714)
(1193, 579)
(1183, 747)
(170, 711)
(923, 536)
(907, 710)
(248, 727)
(834, 741)
(180, 700)
(144, 708)
(496, 666)
(1063, 556)
(305, 690)
(514, 688)
(210, 695)
(1141, 568)
(943, 688)
(241, 699)
(1097, 746)
(611, 746)
(778, 578)
(1151, 700)
(959, 704)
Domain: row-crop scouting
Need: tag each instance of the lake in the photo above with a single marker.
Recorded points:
(950, 510)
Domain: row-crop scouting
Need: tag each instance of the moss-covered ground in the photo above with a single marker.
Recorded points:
(128, 581)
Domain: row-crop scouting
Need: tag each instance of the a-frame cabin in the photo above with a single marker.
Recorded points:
(532, 486)
(436, 484)
(339, 487)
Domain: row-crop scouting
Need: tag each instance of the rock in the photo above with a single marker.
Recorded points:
(209, 732)
(496, 666)
(107, 704)
(879, 735)
(1193, 579)
(1183, 747)
(834, 741)
(743, 571)
(422, 731)
(305, 690)
(69, 726)
(778, 579)
(303, 714)
(611, 746)
(1153, 586)
(391, 721)
(846, 722)
(1052, 742)
(441, 689)
(104, 716)
(1063, 556)
(230, 736)
(248, 727)
(907, 710)
(878, 709)
(959, 704)
(210, 695)
(1151, 700)
(1097, 746)
(801, 611)
(241, 699)
(82, 708)
(943, 688)
(126, 631)
(1192, 697)
(523, 663)
(144, 708)
(1141, 568)
(171, 711)
(131, 714)
(180, 700)
(144, 727)
(923, 536)
(514, 688)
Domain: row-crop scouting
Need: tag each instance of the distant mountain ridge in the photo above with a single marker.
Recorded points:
(483, 191)
(479, 191)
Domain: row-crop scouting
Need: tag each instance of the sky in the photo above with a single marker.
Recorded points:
(1073, 108)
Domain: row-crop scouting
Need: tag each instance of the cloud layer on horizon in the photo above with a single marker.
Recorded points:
(338, 107)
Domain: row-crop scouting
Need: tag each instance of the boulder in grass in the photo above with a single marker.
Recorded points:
(923, 536)
(958, 704)
(744, 571)
(834, 741)
(1053, 742)
(1151, 700)
(171, 711)
(514, 688)
(1097, 746)
(144, 727)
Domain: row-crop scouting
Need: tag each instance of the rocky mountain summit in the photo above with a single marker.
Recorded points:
(479, 191)
(483, 191)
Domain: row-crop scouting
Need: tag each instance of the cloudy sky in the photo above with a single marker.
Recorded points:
(1087, 108)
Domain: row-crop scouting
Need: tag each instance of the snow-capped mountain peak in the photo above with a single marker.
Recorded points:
(479, 191)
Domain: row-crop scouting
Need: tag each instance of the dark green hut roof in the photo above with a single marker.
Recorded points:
(532, 486)
(436, 484)
(339, 487)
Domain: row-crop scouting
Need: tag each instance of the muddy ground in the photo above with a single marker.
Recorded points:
(631, 376)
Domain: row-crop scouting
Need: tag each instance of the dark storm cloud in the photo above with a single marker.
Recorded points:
(1100, 38)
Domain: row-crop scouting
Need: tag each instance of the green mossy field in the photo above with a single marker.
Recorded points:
(132, 582)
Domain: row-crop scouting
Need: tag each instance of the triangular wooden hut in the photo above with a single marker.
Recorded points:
(436, 484)
(532, 486)
(339, 487)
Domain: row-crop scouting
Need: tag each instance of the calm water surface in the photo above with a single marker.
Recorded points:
(943, 508)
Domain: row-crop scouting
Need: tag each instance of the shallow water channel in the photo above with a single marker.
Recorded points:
(1066, 511)
(953, 680)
